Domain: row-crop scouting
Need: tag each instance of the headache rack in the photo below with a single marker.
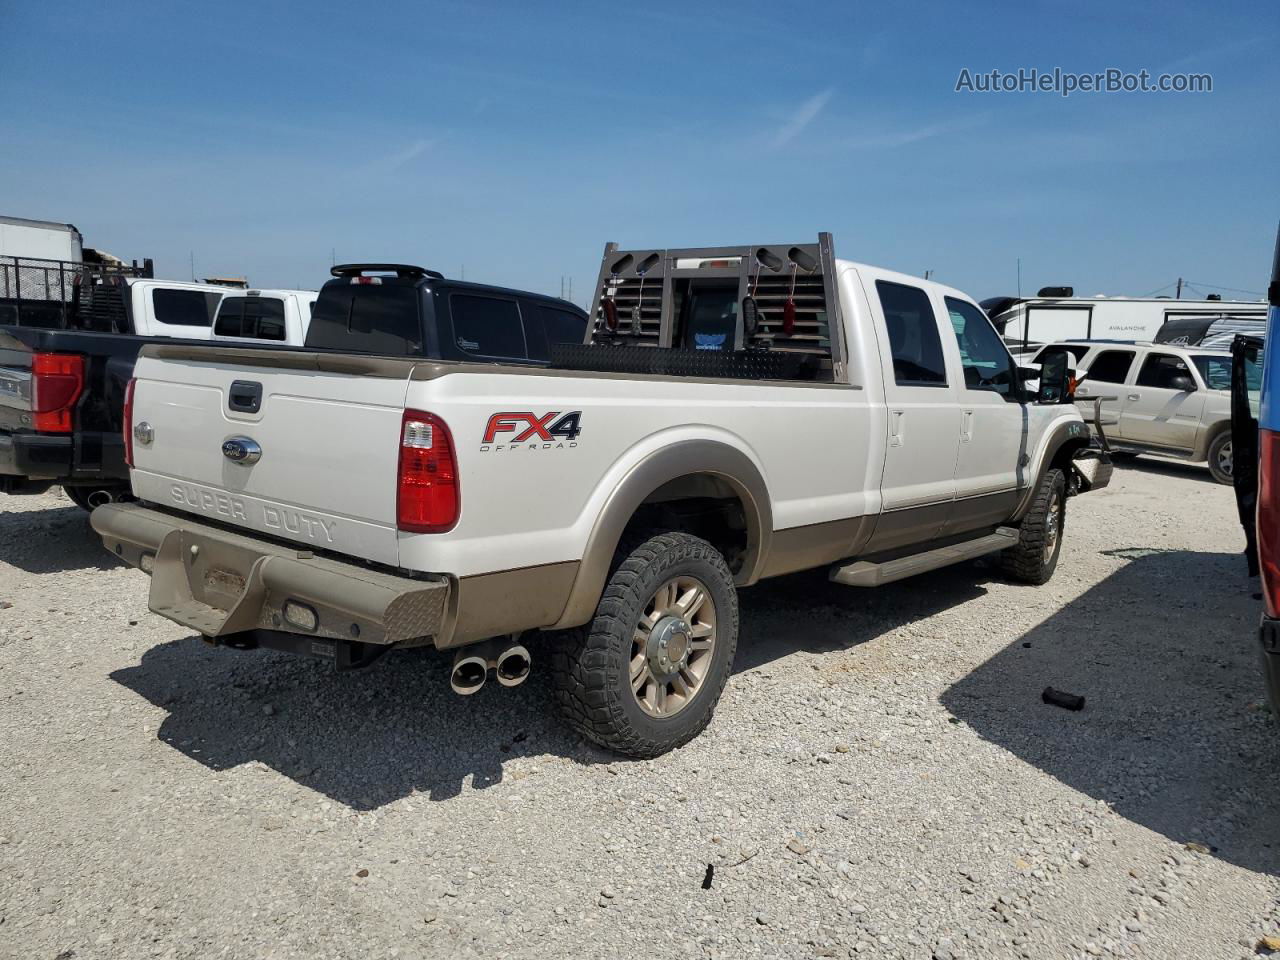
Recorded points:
(696, 305)
(66, 294)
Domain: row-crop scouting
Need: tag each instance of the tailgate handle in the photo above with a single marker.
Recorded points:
(245, 396)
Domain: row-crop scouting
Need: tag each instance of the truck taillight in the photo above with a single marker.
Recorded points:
(1269, 519)
(57, 380)
(128, 423)
(427, 499)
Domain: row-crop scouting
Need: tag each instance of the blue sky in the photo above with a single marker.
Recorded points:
(516, 140)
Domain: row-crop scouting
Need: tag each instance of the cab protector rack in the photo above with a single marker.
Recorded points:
(660, 298)
(66, 295)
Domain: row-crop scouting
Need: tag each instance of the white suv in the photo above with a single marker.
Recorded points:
(1172, 401)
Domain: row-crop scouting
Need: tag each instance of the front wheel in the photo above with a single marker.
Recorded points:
(1220, 457)
(1035, 556)
(646, 675)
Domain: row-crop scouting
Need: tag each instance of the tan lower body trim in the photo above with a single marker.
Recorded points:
(493, 604)
(815, 545)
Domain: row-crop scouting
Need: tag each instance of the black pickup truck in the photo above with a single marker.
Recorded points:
(62, 391)
(61, 397)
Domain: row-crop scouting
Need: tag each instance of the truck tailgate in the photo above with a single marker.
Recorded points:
(15, 384)
(329, 447)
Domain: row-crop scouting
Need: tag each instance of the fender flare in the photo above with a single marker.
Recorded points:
(1210, 434)
(1068, 436)
(681, 459)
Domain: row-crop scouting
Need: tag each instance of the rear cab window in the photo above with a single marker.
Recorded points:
(382, 318)
(184, 308)
(251, 318)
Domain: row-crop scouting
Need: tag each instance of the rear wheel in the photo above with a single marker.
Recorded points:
(1220, 457)
(645, 676)
(1035, 556)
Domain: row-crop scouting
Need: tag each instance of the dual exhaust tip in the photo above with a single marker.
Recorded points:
(510, 664)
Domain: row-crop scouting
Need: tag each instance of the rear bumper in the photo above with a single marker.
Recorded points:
(222, 584)
(35, 455)
(84, 457)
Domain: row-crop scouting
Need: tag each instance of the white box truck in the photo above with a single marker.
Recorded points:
(40, 240)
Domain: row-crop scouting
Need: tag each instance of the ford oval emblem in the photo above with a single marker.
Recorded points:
(243, 450)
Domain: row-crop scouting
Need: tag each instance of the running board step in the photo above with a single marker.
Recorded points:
(866, 574)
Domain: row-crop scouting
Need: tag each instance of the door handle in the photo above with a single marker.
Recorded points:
(1135, 396)
(895, 428)
(245, 396)
(966, 426)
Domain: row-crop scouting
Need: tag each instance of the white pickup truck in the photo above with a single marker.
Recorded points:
(735, 414)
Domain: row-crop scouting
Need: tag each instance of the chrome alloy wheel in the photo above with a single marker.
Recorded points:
(1053, 525)
(1224, 459)
(672, 646)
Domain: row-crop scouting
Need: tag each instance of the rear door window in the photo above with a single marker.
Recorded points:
(487, 326)
(1111, 366)
(1161, 369)
(184, 308)
(913, 335)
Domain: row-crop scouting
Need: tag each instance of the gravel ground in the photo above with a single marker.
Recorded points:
(881, 778)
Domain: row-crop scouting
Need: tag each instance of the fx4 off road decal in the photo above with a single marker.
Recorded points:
(522, 430)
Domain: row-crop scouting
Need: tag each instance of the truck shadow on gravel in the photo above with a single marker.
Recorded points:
(53, 540)
(1169, 468)
(363, 738)
(807, 612)
(1175, 734)
(368, 738)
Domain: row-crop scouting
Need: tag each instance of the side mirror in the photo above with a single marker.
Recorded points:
(1055, 377)
(1182, 382)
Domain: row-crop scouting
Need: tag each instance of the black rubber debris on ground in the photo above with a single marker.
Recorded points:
(1060, 698)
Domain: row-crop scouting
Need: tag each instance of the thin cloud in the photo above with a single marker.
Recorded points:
(392, 162)
(807, 113)
(1213, 53)
(414, 150)
(900, 138)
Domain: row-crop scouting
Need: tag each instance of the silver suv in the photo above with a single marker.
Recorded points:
(1172, 401)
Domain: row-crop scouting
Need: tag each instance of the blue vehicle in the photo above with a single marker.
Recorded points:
(1268, 494)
